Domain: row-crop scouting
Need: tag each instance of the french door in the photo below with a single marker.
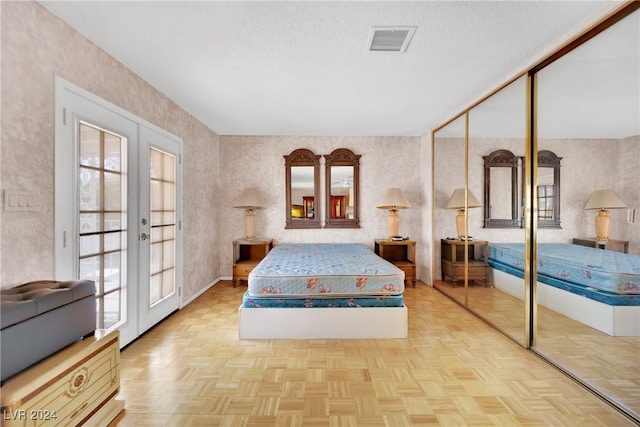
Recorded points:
(159, 227)
(117, 216)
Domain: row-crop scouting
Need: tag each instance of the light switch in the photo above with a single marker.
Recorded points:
(20, 201)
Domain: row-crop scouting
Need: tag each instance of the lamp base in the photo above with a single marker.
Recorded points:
(250, 225)
(603, 225)
(460, 222)
(394, 223)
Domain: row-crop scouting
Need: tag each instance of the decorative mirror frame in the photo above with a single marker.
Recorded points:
(303, 157)
(342, 157)
(503, 159)
(548, 159)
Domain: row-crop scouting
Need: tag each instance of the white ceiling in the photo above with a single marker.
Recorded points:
(304, 68)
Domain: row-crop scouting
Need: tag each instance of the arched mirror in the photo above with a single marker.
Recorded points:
(548, 189)
(302, 174)
(503, 180)
(342, 168)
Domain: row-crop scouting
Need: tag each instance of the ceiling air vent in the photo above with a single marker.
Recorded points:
(390, 39)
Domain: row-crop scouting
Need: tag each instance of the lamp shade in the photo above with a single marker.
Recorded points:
(394, 199)
(249, 199)
(604, 199)
(456, 201)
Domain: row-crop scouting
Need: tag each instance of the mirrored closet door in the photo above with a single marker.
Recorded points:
(589, 115)
(537, 162)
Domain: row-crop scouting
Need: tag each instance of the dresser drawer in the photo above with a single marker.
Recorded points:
(66, 388)
(242, 270)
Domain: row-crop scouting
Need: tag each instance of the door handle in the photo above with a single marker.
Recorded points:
(144, 236)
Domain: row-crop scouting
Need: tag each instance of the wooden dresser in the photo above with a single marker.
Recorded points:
(75, 386)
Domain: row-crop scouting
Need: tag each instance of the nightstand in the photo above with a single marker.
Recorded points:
(246, 255)
(452, 260)
(402, 254)
(610, 245)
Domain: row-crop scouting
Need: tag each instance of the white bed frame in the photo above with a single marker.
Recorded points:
(316, 323)
(618, 321)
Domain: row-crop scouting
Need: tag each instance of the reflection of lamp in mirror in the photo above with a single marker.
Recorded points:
(349, 208)
(456, 201)
(249, 200)
(393, 200)
(603, 200)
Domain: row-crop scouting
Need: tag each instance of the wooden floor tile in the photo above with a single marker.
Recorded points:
(453, 369)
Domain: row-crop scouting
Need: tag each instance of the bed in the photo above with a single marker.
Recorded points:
(597, 287)
(323, 290)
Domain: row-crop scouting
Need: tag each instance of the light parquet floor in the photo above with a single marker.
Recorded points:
(609, 364)
(454, 369)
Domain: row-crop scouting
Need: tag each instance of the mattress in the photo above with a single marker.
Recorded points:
(596, 269)
(324, 269)
(322, 301)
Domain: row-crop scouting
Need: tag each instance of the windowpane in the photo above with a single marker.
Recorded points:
(90, 222)
(112, 193)
(168, 251)
(90, 190)
(156, 234)
(156, 164)
(112, 309)
(89, 245)
(168, 283)
(112, 149)
(154, 289)
(112, 271)
(169, 218)
(156, 195)
(169, 173)
(112, 221)
(156, 257)
(112, 241)
(90, 269)
(169, 196)
(89, 146)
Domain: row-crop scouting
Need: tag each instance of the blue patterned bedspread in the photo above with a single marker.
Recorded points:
(322, 301)
(591, 268)
(335, 269)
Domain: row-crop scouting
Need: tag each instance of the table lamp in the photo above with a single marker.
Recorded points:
(456, 201)
(249, 200)
(393, 200)
(603, 200)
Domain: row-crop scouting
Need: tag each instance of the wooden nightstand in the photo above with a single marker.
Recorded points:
(452, 259)
(402, 254)
(610, 245)
(246, 255)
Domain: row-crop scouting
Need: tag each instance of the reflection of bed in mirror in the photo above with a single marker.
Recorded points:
(593, 286)
(323, 290)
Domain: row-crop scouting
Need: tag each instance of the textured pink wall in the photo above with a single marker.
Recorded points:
(36, 46)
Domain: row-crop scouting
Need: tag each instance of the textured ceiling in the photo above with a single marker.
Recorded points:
(304, 68)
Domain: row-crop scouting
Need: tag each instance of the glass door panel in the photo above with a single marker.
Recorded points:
(159, 210)
(162, 167)
(102, 222)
